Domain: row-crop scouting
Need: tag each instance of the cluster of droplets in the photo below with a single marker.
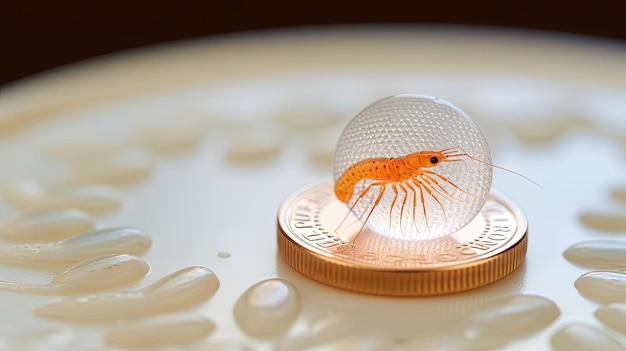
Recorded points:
(549, 130)
(99, 260)
(605, 284)
(59, 231)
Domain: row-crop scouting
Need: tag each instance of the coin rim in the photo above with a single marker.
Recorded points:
(396, 281)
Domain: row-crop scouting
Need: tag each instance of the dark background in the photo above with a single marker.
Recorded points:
(37, 35)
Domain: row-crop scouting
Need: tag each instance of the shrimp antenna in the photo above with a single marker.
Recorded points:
(489, 164)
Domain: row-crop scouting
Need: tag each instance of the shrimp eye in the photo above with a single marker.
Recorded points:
(434, 160)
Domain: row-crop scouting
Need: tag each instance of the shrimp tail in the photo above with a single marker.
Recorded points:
(372, 168)
(343, 193)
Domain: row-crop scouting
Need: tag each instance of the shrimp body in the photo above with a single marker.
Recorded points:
(404, 174)
(392, 169)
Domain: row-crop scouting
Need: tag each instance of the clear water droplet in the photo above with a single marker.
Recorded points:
(99, 273)
(80, 247)
(598, 254)
(582, 337)
(95, 199)
(160, 331)
(400, 128)
(121, 168)
(183, 289)
(613, 316)
(602, 286)
(619, 195)
(510, 317)
(267, 309)
(102, 272)
(604, 222)
(47, 225)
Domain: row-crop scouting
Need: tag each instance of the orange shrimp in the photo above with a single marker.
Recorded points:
(409, 173)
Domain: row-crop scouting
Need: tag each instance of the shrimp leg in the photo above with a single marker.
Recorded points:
(414, 201)
(430, 192)
(393, 203)
(430, 180)
(381, 192)
(361, 195)
(449, 182)
(424, 208)
(402, 207)
(423, 203)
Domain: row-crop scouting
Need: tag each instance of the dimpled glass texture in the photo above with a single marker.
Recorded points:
(404, 124)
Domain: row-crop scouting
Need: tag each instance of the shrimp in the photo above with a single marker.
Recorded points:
(409, 173)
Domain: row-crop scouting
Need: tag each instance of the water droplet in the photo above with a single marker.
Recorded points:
(325, 331)
(619, 195)
(267, 309)
(95, 199)
(598, 254)
(395, 126)
(183, 289)
(582, 337)
(603, 287)
(223, 345)
(44, 340)
(47, 225)
(103, 272)
(80, 247)
(223, 254)
(605, 222)
(188, 286)
(510, 317)
(98, 273)
(23, 193)
(613, 316)
(121, 168)
(530, 134)
(160, 331)
(366, 343)
(254, 143)
(449, 341)
(306, 119)
(170, 137)
(544, 132)
(82, 148)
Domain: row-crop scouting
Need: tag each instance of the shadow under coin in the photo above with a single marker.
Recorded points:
(432, 322)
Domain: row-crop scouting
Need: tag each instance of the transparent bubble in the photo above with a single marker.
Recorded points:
(420, 200)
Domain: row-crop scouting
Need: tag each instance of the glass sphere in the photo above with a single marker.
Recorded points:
(424, 160)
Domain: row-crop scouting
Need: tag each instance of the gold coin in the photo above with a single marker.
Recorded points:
(489, 248)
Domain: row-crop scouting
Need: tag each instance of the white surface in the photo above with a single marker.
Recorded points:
(198, 204)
